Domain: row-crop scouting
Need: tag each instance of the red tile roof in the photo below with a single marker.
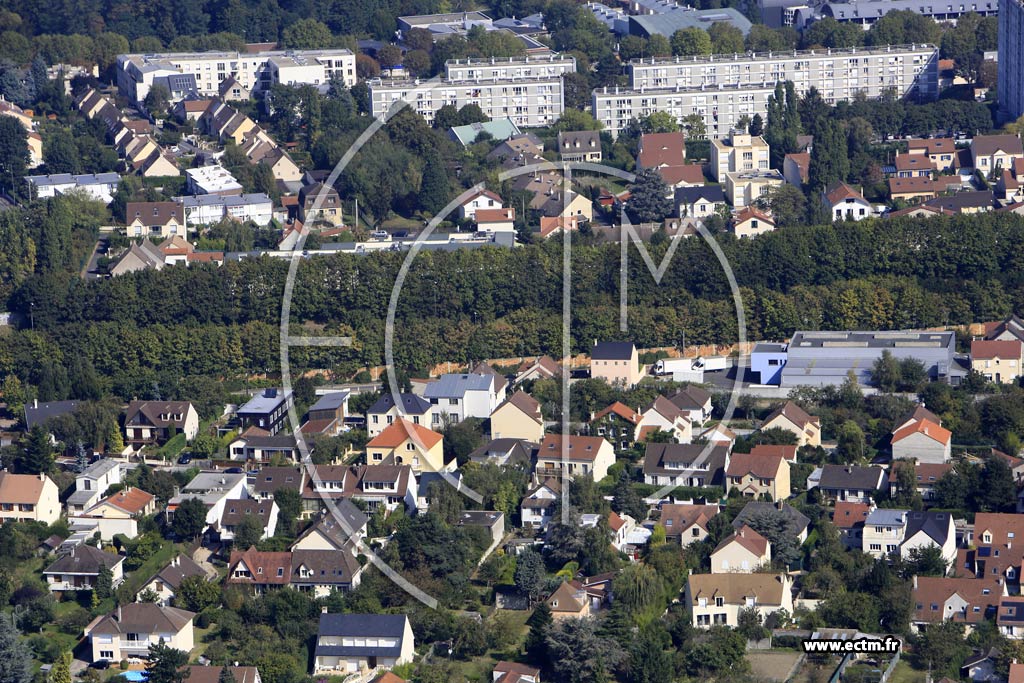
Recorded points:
(848, 515)
(926, 427)
(984, 349)
(622, 410)
(578, 447)
(402, 430)
(760, 466)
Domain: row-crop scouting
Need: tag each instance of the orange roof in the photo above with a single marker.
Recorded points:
(784, 452)
(495, 215)
(691, 174)
(841, 191)
(747, 538)
(206, 256)
(926, 427)
(21, 488)
(577, 448)
(400, 431)
(614, 521)
(661, 149)
(290, 201)
(848, 515)
(622, 410)
(915, 185)
(1016, 673)
(131, 500)
(388, 677)
(549, 225)
(749, 212)
(985, 349)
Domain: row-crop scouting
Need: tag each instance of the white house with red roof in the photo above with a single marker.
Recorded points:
(923, 441)
(481, 199)
(846, 203)
(743, 552)
(496, 220)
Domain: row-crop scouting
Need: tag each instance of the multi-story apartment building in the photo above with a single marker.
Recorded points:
(1011, 59)
(723, 88)
(528, 90)
(204, 72)
(739, 152)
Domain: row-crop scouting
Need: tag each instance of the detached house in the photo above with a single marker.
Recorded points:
(28, 497)
(699, 201)
(355, 643)
(615, 362)
(482, 199)
(665, 416)
(792, 418)
(849, 482)
(116, 514)
(267, 410)
(166, 582)
(580, 146)
(405, 443)
(695, 465)
(92, 483)
(619, 423)
(743, 552)
(130, 630)
(237, 510)
(538, 504)
(846, 203)
(327, 415)
(967, 601)
(686, 524)
(716, 599)
(923, 441)
(518, 418)
(999, 361)
(758, 475)
(751, 222)
(79, 569)
(154, 219)
(940, 151)
(884, 532)
(991, 152)
(456, 397)
(574, 456)
(259, 571)
(930, 529)
(414, 408)
(155, 422)
(694, 401)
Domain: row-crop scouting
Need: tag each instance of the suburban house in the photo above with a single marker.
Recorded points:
(496, 220)
(259, 571)
(913, 165)
(929, 528)
(1006, 330)
(580, 146)
(999, 361)
(375, 485)
(615, 362)
(787, 452)
(915, 189)
(849, 519)
(116, 514)
(321, 571)
(996, 552)
(850, 482)
(129, 630)
(991, 152)
(665, 416)
(940, 151)
(255, 446)
(236, 510)
(539, 504)
(618, 423)
(416, 409)
(923, 441)
(267, 410)
(743, 552)
(796, 523)
(699, 201)
(505, 452)
(686, 523)
(166, 582)
(337, 529)
(924, 477)
(792, 418)
(154, 219)
(518, 418)
(846, 203)
(544, 367)
(695, 465)
(456, 397)
(155, 422)
(918, 414)
(569, 601)
(684, 175)
(758, 475)
(513, 672)
(738, 152)
(658, 150)
(751, 222)
(327, 415)
(92, 483)
(214, 489)
(796, 168)
(354, 643)
(573, 456)
(694, 401)
(28, 497)
(405, 443)
(79, 569)
(968, 601)
(481, 199)
(319, 203)
(884, 531)
(716, 599)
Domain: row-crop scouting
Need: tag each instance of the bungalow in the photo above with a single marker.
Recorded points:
(850, 482)
(518, 418)
(166, 582)
(923, 441)
(538, 505)
(580, 146)
(615, 362)
(792, 418)
(684, 175)
(686, 523)
(699, 201)
(751, 222)
(356, 643)
(693, 465)
(846, 203)
(235, 511)
(130, 630)
(28, 497)
(481, 199)
(154, 219)
(254, 447)
(79, 569)
(416, 409)
(573, 456)
(967, 601)
(155, 422)
(758, 475)
(745, 551)
(717, 599)
(999, 361)
(405, 443)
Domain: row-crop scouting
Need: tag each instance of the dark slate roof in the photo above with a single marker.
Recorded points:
(335, 530)
(411, 404)
(331, 401)
(688, 455)
(796, 521)
(850, 477)
(83, 559)
(934, 524)
(362, 626)
(270, 479)
(962, 200)
(612, 351)
(177, 570)
(691, 194)
(41, 412)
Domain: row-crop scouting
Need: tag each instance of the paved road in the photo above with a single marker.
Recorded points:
(89, 269)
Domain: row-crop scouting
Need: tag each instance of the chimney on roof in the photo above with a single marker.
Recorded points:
(35, 403)
(119, 613)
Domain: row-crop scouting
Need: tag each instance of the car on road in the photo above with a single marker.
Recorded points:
(234, 470)
(185, 458)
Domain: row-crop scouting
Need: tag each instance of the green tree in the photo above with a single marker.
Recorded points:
(850, 443)
(578, 654)
(649, 199)
(756, 125)
(885, 372)
(787, 204)
(36, 457)
(717, 653)
(435, 188)
(830, 162)
(14, 154)
(226, 675)
(61, 671)
(189, 519)
(638, 588)
(307, 34)
(725, 38)
(659, 122)
(60, 153)
(529, 575)
(104, 583)
(158, 99)
(626, 499)
(687, 42)
(539, 622)
(166, 664)
(927, 561)
(749, 624)
(249, 532)
(648, 660)
(15, 657)
(197, 593)
(289, 507)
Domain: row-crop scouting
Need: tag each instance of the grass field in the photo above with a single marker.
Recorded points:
(161, 557)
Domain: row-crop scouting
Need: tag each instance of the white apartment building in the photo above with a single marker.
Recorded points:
(100, 186)
(738, 152)
(722, 88)
(256, 71)
(206, 209)
(528, 90)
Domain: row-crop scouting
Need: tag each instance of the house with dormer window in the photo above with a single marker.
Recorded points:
(405, 443)
(686, 523)
(574, 456)
(696, 465)
(580, 146)
(375, 485)
(155, 422)
(716, 599)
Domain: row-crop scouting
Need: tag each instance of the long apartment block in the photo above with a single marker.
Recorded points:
(528, 90)
(723, 88)
(255, 71)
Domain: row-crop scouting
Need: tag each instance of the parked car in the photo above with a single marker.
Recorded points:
(185, 459)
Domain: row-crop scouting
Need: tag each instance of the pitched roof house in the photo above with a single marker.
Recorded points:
(718, 598)
(519, 417)
(129, 630)
(79, 569)
(696, 465)
(846, 203)
(998, 360)
(406, 443)
(166, 582)
(758, 475)
(743, 552)
(850, 482)
(688, 523)
(792, 418)
(573, 456)
(967, 601)
(153, 422)
(923, 441)
(354, 643)
(615, 362)
(28, 497)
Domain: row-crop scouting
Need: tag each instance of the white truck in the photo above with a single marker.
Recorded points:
(711, 363)
(667, 366)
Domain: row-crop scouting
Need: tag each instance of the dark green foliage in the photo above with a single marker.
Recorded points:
(649, 199)
(15, 659)
(166, 664)
(189, 519)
